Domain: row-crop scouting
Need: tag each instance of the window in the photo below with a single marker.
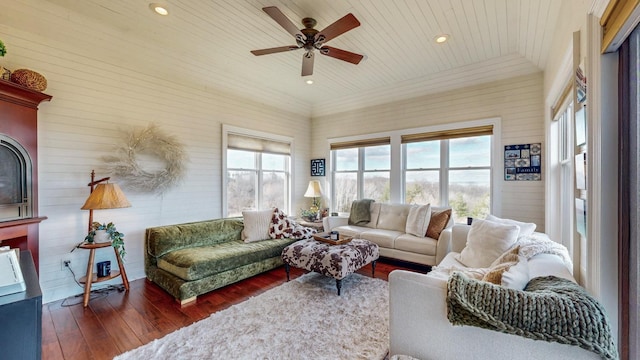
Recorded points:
(360, 172)
(565, 159)
(422, 173)
(454, 172)
(257, 173)
(442, 168)
(469, 177)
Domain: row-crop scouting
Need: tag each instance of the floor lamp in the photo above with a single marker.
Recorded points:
(103, 196)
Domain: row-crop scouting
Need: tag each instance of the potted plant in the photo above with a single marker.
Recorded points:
(108, 232)
(309, 215)
(5, 74)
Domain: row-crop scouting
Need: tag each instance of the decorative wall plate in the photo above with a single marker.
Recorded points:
(317, 167)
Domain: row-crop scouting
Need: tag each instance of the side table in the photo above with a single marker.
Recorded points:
(92, 277)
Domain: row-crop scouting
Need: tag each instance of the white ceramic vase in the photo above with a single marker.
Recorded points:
(101, 236)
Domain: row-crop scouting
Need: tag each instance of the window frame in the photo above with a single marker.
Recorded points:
(360, 171)
(398, 160)
(289, 173)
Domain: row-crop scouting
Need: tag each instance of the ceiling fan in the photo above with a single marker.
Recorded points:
(311, 39)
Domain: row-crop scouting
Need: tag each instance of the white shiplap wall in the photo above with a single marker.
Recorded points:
(104, 81)
(97, 95)
(517, 101)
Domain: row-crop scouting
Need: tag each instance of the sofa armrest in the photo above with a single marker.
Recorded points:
(416, 305)
(444, 245)
(331, 222)
(459, 234)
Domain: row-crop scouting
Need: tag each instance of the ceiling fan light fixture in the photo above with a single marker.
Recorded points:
(442, 38)
(159, 9)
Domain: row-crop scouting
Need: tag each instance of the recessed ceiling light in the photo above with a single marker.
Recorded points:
(159, 9)
(309, 81)
(441, 38)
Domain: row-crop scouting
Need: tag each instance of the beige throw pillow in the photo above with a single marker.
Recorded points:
(502, 264)
(526, 229)
(418, 220)
(256, 225)
(486, 241)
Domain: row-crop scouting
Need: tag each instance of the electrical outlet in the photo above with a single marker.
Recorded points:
(65, 264)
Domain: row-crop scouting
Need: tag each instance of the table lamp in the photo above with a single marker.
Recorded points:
(314, 191)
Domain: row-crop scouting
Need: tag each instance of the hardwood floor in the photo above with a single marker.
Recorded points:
(116, 322)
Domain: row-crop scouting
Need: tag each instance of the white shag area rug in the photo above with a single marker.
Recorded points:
(301, 319)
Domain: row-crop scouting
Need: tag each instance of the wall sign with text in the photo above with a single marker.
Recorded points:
(523, 162)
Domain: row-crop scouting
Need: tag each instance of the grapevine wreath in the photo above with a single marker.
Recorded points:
(150, 141)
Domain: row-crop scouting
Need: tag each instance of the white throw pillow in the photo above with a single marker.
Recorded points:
(526, 229)
(486, 241)
(418, 220)
(256, 225)
(517, 277)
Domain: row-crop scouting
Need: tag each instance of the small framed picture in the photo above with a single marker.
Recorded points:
(317, 167)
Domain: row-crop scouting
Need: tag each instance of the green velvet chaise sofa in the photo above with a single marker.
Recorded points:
(191, 259)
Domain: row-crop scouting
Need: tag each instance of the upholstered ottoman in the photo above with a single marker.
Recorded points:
(336, 261)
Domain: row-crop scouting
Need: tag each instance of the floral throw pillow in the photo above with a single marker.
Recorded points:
(280, 225)
(299, 232)
(283, 227)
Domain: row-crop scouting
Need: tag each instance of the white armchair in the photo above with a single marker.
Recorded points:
(418, 324)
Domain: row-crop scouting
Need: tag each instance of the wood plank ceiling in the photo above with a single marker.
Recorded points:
(489, 40)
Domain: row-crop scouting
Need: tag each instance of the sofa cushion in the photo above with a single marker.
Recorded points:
(375, 214)
(198, 262)
(548, 264)
(164, 239)
(351, 230)
(418, 220)
(416, 244)
(437, 223)
(384, 238)
(393, 217)
(256, 225)
(526, 229)
(360, 212)
(486, 241)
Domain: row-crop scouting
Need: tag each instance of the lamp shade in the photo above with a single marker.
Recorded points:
(106, 196)
(314, 189)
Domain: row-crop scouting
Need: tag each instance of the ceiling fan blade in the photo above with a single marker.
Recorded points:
(307, 63)
(340, 54)
(274, 50)
(338, 28)
(284, 21)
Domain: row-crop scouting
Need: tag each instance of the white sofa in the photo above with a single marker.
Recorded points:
(419, 328)
(387, 230)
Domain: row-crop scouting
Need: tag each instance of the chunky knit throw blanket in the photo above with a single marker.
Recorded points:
(549, 308)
